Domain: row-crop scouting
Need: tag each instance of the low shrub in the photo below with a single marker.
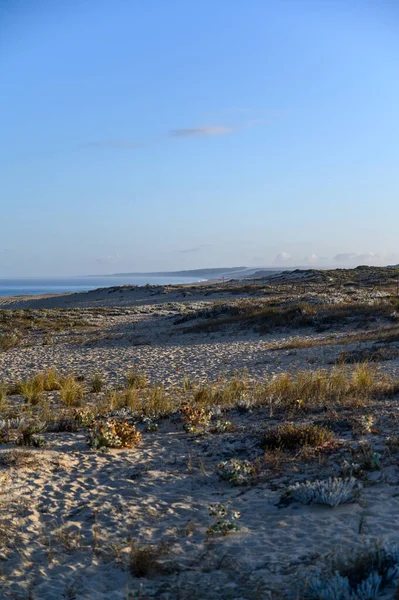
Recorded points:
(195, 418)
(111, 433)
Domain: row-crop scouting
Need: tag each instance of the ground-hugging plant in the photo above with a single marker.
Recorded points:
(236, 471)
(85, 417)
(223, 517)
(222, 427)
(339, 588)
(332, 491)
(111, 433)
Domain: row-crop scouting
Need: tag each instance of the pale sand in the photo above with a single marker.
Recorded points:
(71, 518)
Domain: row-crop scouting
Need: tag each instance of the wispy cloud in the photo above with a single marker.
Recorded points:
(195, 249)
(119, 144)
(212, 130)
(207, 130)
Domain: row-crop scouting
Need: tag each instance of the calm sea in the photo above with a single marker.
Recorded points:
(32, 286)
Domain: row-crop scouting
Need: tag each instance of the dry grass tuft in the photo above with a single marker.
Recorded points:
(71, 391)
(146, 561)
(135, 379)
(9, 340)
(97, 383)
(32, 389)
(20, 459)
(291, 437)
(150, 402)
(311, 389)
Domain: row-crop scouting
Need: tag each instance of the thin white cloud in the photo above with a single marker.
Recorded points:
(212, 130)
(196, 249)
(208, 130)
(119, 144)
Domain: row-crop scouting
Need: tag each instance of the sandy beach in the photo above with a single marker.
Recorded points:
(116, 523)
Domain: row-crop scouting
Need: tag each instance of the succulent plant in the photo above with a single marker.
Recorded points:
(333, 491)
(360, 575)
(238, 472)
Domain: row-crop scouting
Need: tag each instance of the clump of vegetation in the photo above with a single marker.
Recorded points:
(19, 459)
(32, 388)
(332, 492)
(71, 391)
(223, 519)
(3, 398)
(152, 402)
(150, 425)
(376, 353)
(291, 437)
(10, 340)
(264, 316)
(127, 398)
(230, 394)
(50, 380)
(310, 389)
(22, 432)
(146, 561)
(357, 575)
(97, 383)
(188, 384)
(222, 427)
(28, 434)
(236, 471)
(84, 417)
(195, 418)
(135, 379)
(111, 433)
(60, 423)
(302, 391)
(364, 459)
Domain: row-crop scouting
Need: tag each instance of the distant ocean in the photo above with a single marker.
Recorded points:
(53, 285)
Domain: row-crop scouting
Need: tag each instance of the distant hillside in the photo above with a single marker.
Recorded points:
(361, 275)
(201, 273)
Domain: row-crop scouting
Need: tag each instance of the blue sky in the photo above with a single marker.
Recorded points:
(178, 134)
